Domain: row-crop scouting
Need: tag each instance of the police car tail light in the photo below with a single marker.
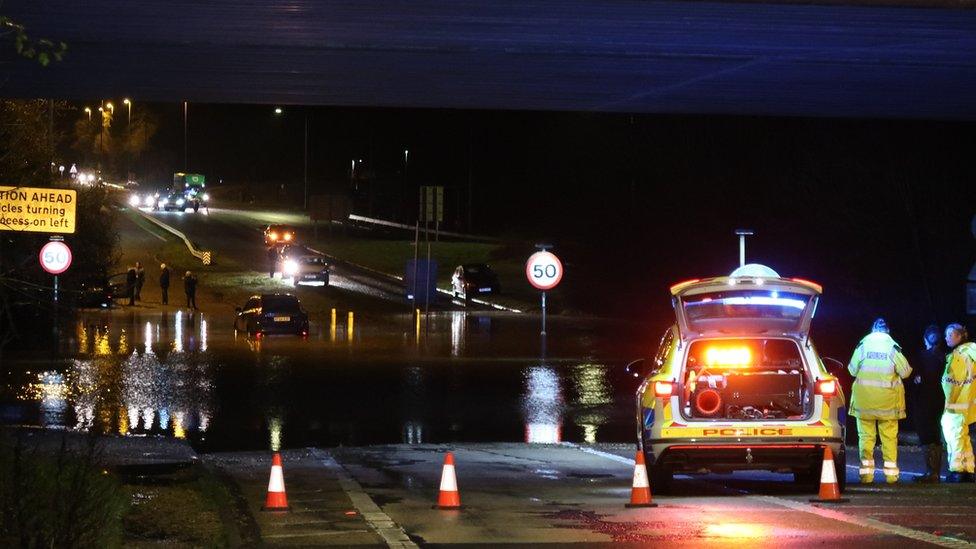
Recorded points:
(663, 389)
(826, 387)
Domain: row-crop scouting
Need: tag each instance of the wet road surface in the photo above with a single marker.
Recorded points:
(463, 377)
(556, 494)
(365, 422)
(238, 235)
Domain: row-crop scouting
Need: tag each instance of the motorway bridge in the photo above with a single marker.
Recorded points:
(647, 56)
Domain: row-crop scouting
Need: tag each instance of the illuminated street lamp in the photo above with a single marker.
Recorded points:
(129, 105)
(110, 107)
(88, 112)
(278, 110)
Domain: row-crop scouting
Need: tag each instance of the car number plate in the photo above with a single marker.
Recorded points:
(484, 290)
(282, 319)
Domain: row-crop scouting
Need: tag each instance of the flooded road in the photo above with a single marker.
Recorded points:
(454, 377)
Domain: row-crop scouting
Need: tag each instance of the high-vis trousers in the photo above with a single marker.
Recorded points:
(867, 431)
(960, 446)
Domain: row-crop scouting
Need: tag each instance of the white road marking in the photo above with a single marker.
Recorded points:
(310, 534)
(607, 455)
(380, 522)
(825, 513)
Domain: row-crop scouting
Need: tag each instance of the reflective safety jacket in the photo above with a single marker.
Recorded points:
(878, 366)
(959, 381)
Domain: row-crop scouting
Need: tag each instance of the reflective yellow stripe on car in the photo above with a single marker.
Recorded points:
(720, 431)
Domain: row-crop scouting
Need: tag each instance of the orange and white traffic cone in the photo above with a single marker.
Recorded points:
(829, 491)
(640, 492)
(277, 500)
(449, 497)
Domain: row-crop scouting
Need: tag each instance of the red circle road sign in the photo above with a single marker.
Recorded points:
(55, 257)
(544, 270)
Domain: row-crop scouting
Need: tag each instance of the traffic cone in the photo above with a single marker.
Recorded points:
(829, 491)
(640, 493)
(449, 497)
(277, 500)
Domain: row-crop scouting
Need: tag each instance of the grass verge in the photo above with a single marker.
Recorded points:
(187, 505)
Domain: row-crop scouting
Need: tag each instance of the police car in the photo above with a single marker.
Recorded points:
(737, 383)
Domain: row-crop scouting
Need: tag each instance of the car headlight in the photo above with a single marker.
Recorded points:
(287, 236)
(164, 201)
(273, 236)
(291, 267)
(206, 197)
(148, 201)
(134, 201)
(179, 201)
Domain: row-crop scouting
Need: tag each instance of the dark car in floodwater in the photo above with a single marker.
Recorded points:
(96, 292)
(272, 314)
(474, 279)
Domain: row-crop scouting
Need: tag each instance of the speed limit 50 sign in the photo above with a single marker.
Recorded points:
(544, 270)
(55, 257)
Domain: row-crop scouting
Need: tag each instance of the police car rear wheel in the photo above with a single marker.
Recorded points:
(840, 468)
(660, 477)
(808, 478)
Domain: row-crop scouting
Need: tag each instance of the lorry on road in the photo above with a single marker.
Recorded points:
(192, 187)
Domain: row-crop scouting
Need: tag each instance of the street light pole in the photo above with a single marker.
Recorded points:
(184, 136)
(128, 135)
(278, 112)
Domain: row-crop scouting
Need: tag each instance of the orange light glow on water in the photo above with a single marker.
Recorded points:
(728, 356)
(734, 530)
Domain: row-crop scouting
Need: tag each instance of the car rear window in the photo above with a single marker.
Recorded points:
(749, 304)
(280, 303)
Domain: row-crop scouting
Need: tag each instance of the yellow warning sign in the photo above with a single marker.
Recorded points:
(37, 210)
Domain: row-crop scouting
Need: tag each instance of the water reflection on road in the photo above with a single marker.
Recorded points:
(467, 377)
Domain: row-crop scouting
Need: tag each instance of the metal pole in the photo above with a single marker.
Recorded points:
(742, 250)
(742, 234)
(185, 113)
(305, 173)
(543, 313)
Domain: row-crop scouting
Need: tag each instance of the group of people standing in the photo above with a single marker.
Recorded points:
(944, 398)
(136, 276)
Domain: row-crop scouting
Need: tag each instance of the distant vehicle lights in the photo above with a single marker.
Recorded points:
(290, 267)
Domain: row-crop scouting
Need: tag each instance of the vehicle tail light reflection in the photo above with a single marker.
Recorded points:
(663, 389)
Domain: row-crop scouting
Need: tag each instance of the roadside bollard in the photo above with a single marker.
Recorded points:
(417, 316)
(350, 326)
(332, 327)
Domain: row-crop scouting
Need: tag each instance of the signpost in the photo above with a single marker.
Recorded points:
(55, 258)
(38, 210)
(544, 271)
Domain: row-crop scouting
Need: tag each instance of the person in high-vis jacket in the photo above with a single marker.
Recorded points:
(878, 398)
(960, 403)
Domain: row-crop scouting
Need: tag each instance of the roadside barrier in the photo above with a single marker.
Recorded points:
(449, 497)
(277, 500)
(640, 492)
(205, 257)
(829, 491)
